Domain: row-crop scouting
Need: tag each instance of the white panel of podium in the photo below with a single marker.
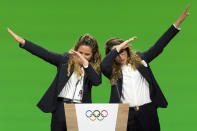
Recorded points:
(97, 117)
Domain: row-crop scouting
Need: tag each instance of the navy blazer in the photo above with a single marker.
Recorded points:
(49, 100)
(156, 94)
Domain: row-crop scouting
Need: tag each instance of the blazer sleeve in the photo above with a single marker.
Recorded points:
(158, 47)
(106, 64)
(92, 76)
(50, 57)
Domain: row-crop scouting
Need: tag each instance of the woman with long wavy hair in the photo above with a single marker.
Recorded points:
(132, 80)
(77, 72)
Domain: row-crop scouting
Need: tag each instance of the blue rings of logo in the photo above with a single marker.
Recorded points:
(96, 114)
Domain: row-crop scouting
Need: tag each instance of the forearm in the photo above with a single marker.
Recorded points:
(94, 78)
(158, 47)
(106, 64)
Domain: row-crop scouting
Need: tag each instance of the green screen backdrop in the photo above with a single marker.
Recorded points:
(56, 26)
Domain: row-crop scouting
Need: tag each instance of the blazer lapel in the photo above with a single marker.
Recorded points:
(144, 71)
(63, 77)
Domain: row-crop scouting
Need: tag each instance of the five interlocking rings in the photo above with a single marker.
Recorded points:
(96, 114)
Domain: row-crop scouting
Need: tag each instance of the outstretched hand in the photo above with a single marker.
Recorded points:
(182, 17)
(16, 37)
(125, 44)
(79, 58)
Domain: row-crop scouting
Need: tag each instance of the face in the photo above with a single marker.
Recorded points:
(85, 51)
(122, 57)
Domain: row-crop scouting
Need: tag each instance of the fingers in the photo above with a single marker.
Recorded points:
(9, 30)
(186, 9)
(12, 33)
(185, 13)
(16, 37)
(132, 39)
(72, 52)
(75, 54)
(78, 57)
(125, 44)
(182, 17)
(129, 40)
(129, 46)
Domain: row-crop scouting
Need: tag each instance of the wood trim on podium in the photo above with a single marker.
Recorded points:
(71, 117)
(122, 117)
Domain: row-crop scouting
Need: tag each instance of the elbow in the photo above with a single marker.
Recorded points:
(106, 71)
(103, 67)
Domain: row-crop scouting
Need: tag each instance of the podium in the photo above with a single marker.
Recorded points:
(97, 117)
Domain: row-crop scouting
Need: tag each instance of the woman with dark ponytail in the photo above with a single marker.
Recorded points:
(77, 72)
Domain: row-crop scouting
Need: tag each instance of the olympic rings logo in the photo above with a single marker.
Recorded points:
(96, 114)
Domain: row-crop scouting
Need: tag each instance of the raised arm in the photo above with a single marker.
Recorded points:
(158, 47)
(34, 49)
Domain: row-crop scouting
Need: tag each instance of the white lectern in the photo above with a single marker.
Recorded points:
(97, 117)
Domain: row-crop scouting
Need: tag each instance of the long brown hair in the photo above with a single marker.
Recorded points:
(95, 60)
(132, 58)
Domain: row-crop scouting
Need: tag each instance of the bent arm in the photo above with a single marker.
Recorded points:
(106, 64)
(94, 78)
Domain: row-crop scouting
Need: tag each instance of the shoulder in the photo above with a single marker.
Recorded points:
(140, 54)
